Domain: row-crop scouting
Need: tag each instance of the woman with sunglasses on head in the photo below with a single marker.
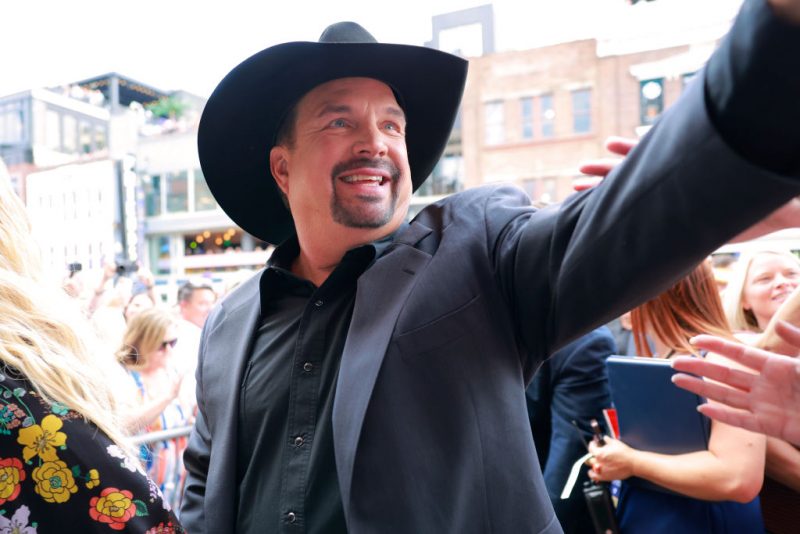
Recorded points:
(147, 354)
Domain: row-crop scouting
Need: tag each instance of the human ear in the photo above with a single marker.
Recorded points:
(279, 166)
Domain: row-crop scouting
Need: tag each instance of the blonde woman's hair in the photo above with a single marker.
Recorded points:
(43, 335)
(739, 318)
(144, 334)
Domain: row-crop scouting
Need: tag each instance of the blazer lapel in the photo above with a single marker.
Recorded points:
(380, 295)
(222, 381)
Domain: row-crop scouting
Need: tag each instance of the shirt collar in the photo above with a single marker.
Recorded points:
(278, 273)
(283, 256)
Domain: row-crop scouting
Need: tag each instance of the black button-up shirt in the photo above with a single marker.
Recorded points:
(285, 464)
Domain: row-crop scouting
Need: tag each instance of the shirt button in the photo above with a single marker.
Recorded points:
(308, 367)
(291, 517)
(298, 441)
(318, 304)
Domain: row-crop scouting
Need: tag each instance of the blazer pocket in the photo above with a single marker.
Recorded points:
(438, 332)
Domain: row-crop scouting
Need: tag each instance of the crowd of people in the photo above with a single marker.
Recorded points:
(380, 374)
(65, 455)
(156, 344)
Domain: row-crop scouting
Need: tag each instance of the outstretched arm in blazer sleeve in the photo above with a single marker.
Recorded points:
(680, 194)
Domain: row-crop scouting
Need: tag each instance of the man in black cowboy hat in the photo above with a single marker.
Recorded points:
(372, 377)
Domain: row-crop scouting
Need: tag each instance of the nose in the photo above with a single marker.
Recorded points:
(781, 280)
(370, 143)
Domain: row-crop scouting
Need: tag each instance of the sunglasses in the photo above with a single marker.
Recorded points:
(170, 342)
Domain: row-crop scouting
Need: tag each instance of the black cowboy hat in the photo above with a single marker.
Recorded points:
(243, 114)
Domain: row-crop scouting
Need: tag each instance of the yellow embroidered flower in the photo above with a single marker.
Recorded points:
(42, 440)
(94, 479)
(114, 507)
(54, 481)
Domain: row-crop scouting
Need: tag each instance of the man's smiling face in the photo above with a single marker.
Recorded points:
(346, 165)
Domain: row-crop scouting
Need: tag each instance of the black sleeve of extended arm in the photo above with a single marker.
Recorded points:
(752, 89)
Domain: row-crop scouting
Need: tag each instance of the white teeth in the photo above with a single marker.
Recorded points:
(362, 178)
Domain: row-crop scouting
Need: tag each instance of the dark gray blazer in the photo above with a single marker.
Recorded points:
(431, 432)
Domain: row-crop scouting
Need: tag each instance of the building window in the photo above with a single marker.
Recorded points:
(152, 195)
(52, 130)
(526, 112)
(86, 137)
(70, 134)
(11, 122)
(445, 178)
(216, 242)
(582, 111)
(177, 192)
(651, 96)
(548, 115)
(159, 255)
(100, 137)
(203, 199)
(495, 122)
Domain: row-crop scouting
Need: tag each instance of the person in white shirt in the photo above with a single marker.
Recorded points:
(195, 300)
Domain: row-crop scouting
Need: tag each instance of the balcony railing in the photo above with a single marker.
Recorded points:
(161, 435)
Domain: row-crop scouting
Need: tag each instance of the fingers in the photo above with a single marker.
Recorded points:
(596, 471)
(744, 354)
(739, 418)
(716, 392)
(579, 184)
(599, 167)
(620, 145)
(721, 373)
(788, 332)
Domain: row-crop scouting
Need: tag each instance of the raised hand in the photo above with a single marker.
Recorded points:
(766, 402)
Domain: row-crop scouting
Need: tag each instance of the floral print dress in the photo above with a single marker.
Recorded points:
(61, 474)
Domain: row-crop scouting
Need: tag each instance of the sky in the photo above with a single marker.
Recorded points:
(191, 45)
(178, 44)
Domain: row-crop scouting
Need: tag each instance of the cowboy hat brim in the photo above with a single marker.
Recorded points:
(241, 118)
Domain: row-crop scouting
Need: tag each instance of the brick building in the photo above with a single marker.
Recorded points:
(530, 117)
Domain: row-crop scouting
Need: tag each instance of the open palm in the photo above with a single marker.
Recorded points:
(766, 402)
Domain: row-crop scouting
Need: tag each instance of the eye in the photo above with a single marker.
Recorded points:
(392, 127)
(338, 123)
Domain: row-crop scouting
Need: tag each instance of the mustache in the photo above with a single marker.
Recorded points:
(375, 163)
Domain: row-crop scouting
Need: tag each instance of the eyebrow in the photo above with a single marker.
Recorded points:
(397, 112)
(334, 108)
(330, 108)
